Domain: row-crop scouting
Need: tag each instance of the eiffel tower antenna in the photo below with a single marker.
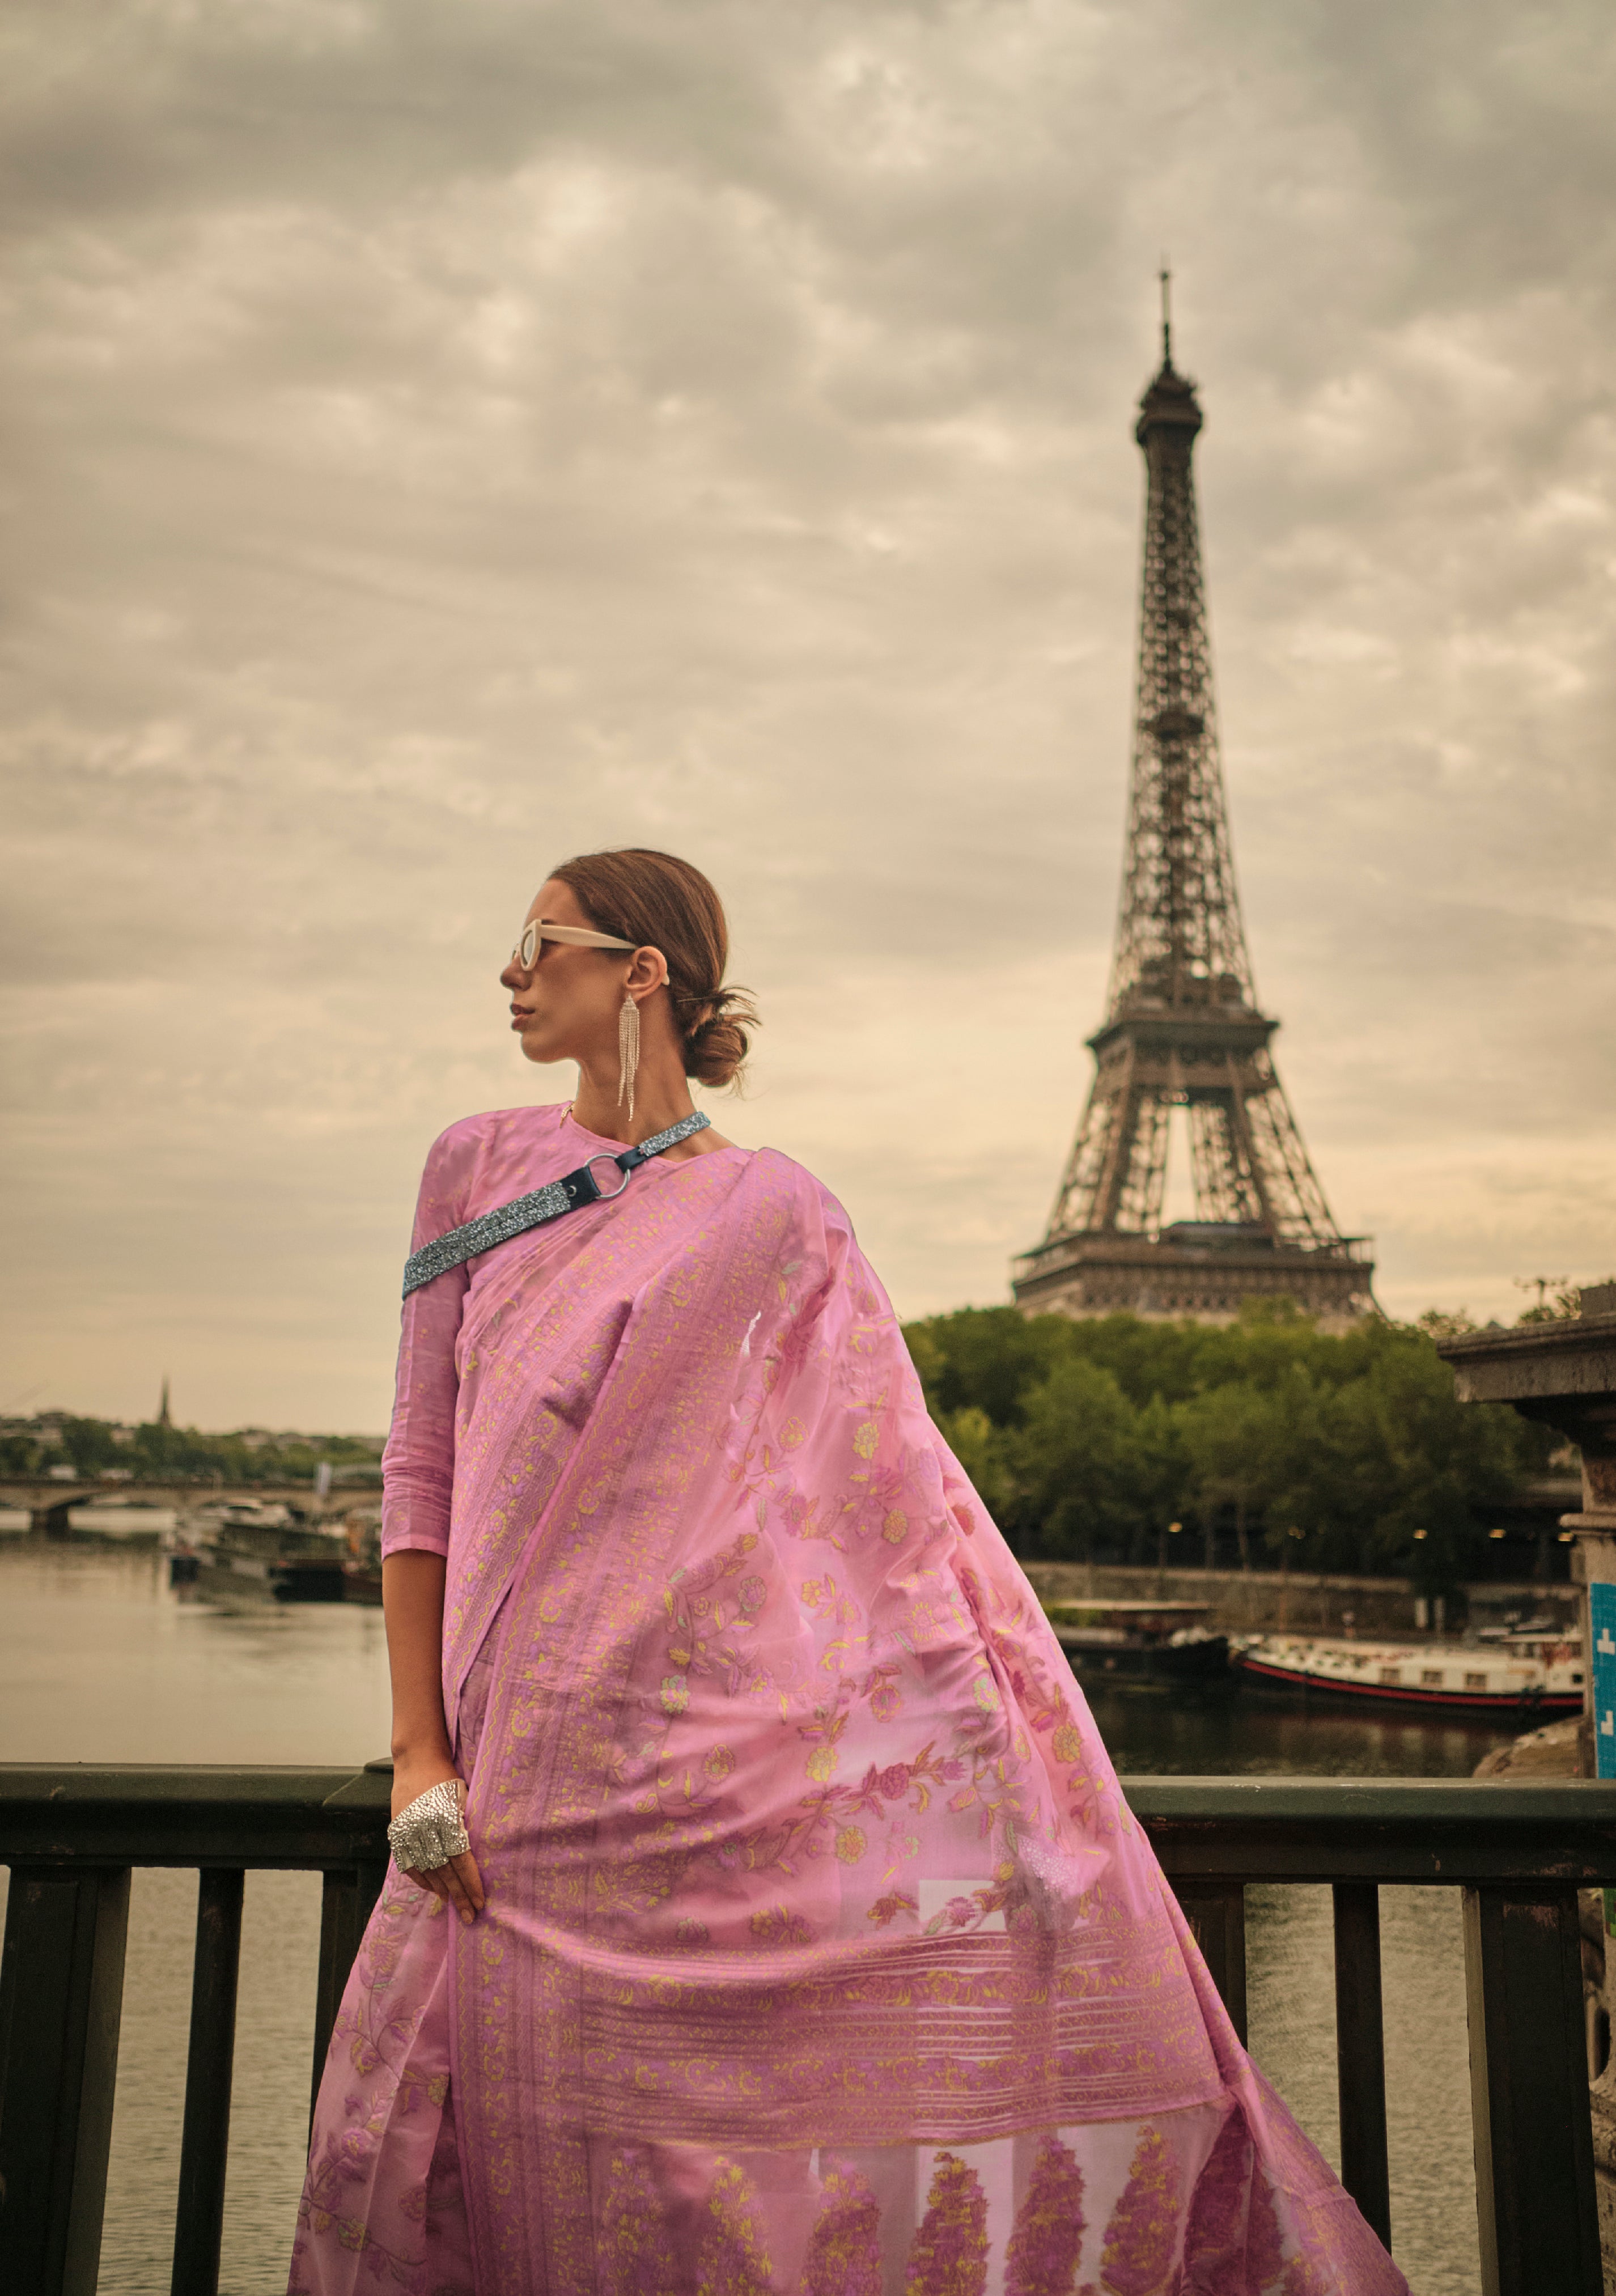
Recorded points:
(1183, 1027)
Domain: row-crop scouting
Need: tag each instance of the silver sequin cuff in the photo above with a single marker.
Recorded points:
(430, 1831)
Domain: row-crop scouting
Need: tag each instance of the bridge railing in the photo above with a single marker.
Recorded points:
(1519, 1854)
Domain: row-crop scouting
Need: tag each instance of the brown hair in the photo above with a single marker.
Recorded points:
(658, 901)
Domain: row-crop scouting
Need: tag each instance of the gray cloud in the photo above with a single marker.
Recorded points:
(444, 437)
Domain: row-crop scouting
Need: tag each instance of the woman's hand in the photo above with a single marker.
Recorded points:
(458, 1883)
(412, 1600)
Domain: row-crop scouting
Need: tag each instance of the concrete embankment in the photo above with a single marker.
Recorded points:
(1301, 1602)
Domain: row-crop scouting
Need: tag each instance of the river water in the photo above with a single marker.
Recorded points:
(100, 1661)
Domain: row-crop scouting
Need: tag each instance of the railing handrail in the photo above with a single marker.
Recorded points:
(197, 1815)
(1461, 1833)
(1451, 1831)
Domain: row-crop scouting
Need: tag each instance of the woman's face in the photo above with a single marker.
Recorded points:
(568, 1002)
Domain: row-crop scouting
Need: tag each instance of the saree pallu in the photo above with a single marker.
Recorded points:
(821, 1953)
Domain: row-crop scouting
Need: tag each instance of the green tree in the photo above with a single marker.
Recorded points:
(987, 1357)
(1093, 1435)
(1433, 1464)
(1246, 1445)
(979, 1445)
(88, 1444)
(1075, 1458)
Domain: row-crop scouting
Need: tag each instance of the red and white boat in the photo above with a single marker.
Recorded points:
(1524, 1676)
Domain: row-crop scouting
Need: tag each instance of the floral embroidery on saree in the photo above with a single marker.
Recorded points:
(844, 2256)
(1142, 2237)
(950, 2253)
(731, 2259)
(1047, 2244)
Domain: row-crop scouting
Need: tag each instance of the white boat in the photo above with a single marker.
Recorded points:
(1525, 1676)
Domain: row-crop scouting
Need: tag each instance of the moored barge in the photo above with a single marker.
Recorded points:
(1160, 1643)
(1523, 1678)
(258, 1550)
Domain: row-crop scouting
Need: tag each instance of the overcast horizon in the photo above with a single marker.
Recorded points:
(446, 439)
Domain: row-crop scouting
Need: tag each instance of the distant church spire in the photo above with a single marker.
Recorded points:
(163, 1419)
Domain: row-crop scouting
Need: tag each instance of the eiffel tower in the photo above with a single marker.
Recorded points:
(1182, 1029)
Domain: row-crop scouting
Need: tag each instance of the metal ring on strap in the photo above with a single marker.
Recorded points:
(603, 1156)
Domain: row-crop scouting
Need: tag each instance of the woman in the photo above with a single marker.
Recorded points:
(798, 1937)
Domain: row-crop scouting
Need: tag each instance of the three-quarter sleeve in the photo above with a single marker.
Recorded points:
(418, 1464)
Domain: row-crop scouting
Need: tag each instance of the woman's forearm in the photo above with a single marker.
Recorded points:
(412, 1599)
(411, 1603)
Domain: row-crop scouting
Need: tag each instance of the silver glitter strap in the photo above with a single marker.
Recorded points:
(569, 1193)
(430, 1831)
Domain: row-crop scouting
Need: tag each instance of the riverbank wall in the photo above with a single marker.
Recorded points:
(1304, 1602)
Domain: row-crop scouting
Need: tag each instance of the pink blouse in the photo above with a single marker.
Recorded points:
(473, 1167)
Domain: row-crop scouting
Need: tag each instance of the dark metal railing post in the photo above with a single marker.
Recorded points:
(61, 2006)
(199, 2224)
(1360, 2052)
(1535, 2193)
(1215, 1907)
(346, 1903)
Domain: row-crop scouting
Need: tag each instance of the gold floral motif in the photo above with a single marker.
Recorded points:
(1264, 2242)
(1143, 2235)
(1215, 2248)
(949, 2257)
(777, 1926)
(632, 2252)
(830, 1602)
(709, 1624)
(1047, 2242)
(886, 1699)
(731, 2259)
(844, 2252)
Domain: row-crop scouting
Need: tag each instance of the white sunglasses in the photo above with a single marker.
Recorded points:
(526, 952)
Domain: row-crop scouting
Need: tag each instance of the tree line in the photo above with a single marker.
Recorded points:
(95, 1447)
(1121, 1439)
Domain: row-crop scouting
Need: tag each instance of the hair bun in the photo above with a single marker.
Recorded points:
(715, 1047)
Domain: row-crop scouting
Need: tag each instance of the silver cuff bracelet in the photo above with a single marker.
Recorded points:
(430, 1831)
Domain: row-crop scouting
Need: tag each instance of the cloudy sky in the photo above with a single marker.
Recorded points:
(443, 435)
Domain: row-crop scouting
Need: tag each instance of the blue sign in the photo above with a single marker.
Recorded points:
(1602, 1622)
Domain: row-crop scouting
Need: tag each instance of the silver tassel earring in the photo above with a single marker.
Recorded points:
(627, 1051)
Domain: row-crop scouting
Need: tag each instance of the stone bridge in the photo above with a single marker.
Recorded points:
(49, 1503)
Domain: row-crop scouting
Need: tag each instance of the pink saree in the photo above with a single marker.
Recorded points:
(821, 1953)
